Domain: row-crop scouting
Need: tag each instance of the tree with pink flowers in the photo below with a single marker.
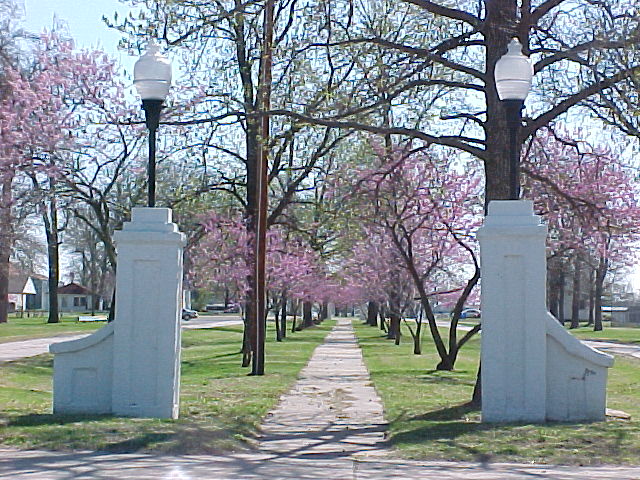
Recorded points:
(589, 199)
(418, 214)
(44, 110)
(222, 259)
(37, 119)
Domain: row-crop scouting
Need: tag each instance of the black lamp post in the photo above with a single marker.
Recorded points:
(513, 74)
(152, 78)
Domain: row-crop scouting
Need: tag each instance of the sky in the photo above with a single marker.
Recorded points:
(84, 21)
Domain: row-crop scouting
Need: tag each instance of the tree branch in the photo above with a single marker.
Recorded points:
(452, 13)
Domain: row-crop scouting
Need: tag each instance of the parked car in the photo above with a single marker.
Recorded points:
(232, 309)
(470, 313)
(188, 314)
(222, 308)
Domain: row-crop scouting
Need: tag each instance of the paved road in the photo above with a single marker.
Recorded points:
(10, 351)
(615, 348)
(211, 321)
(36, 465)
(30, 348)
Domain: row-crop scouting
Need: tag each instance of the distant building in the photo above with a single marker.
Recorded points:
(39, 301)
(73, 297)
(20, 287)
(621, 316)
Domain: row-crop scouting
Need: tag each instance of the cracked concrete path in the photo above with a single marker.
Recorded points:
(333, 411)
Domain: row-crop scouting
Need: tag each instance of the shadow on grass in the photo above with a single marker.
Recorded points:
(39, 419)
(30, 363)
(447, 424)
(446, 431)
(457, 412)
(136, 444)
(445, 377)
(197, 363)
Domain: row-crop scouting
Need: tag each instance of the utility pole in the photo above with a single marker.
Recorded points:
(264, 100)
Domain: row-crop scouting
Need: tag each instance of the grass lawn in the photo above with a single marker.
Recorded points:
(428, 418)
(220, 409)
(37, 327)
(610, 334)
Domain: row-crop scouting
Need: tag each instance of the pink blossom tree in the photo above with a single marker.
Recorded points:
(41, 109)
(425, 211)
(590, 201)
(222, 259)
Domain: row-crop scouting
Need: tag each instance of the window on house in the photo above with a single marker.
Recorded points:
(79, 301)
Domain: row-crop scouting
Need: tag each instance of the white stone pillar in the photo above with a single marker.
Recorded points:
(146, 343)
(513, 262)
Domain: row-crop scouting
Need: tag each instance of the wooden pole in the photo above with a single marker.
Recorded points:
(262, 183)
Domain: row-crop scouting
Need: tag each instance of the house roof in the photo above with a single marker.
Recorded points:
(19, 284)
(73, 289)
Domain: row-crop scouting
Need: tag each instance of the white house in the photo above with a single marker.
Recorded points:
(74, 297)
(19, 287)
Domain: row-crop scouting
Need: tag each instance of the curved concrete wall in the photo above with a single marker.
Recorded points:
(83, 373)
(533, 370)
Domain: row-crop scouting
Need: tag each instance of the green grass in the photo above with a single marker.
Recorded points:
(37, 327)
(610, 334)
(221, 406)
(429, 419)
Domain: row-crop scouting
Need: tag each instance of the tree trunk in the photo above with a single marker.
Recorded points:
(381, 315)
(394, 320)
(246, 334)
(111, 316)
(276, 314)
(54, 275)
(592, 296)
(417, 344)
(553, 291)
(476, 397)
(50, 220)
(372, 314)
(252, 146)
(295, 316)
(561, 299)
(307, 318)
(499, 28)
(575, 301)
(6, 240)
(601, 273)
(226, 298)
(283, 316)
(324, 311)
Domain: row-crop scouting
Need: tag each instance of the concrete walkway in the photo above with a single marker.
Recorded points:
(332, 411)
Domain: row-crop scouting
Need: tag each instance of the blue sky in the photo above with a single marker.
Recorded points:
(84, 21)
